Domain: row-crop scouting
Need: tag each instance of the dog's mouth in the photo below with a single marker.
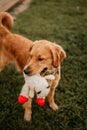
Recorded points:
(44, 71)
(29, 73)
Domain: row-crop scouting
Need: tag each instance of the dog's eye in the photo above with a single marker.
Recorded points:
(40, 58)
(48, 87)
(39, 92)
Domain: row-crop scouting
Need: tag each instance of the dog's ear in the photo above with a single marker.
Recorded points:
(55, 57)
(58, 55)
(62, 54)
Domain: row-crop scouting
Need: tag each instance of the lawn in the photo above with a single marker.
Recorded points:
(63, 22)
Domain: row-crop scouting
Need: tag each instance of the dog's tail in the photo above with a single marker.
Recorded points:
(6, 23)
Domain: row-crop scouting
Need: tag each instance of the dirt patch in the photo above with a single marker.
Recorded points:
(20, 8)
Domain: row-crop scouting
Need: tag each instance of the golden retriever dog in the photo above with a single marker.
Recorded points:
(45, 58)
(13, 47)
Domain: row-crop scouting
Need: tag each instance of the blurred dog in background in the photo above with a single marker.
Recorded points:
(13, 47)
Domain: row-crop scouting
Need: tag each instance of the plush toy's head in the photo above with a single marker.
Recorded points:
(43, 91)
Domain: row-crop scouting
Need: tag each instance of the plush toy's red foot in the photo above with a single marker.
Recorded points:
(22, 99)
(40, 101)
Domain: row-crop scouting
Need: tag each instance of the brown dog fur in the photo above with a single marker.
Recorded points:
(13, 47)
(44, 54)
(45, 57)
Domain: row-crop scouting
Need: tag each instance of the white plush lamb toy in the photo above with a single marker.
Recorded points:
(38, 84)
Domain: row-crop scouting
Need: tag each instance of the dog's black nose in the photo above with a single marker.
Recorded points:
(26, 71)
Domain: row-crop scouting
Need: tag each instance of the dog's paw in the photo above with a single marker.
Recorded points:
(27, 115)
(54, 106)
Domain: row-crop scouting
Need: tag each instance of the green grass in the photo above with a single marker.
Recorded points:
(64, 22)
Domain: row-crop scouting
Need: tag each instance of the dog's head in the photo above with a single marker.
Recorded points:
(44, 56)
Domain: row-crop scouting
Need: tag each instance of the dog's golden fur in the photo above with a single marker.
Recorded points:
(41, 57)
(13, 47)
(45, 57)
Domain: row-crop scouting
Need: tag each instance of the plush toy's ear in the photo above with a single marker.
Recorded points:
(58, 55)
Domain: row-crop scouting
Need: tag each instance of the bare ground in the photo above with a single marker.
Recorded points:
(20, 8)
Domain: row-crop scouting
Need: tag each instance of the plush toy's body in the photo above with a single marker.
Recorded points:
(37, 84)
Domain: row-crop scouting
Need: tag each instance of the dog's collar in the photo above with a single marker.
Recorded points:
(56, 70)
(53, 72)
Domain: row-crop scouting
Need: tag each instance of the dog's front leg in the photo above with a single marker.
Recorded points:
(51, 101)
(28, 110)
(51, 94)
